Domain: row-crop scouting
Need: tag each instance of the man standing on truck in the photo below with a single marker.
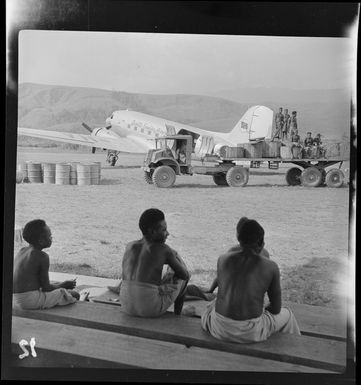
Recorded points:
(244, 276)
(293, 123)
(286, 125)
(279, 120)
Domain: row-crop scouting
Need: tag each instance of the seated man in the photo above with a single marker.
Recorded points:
(181, 153)
(143, 291)
(207, 294)
(31, 286)
(308, 143)
(317, 140)
(244, 277)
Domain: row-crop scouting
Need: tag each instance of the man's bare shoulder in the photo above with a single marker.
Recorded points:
(271, 265)
(229, 255)
(162, 248)
(33, 253)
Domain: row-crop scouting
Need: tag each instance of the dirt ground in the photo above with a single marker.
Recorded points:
(92, 224)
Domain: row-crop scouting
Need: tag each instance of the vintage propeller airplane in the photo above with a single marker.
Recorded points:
(131, 131)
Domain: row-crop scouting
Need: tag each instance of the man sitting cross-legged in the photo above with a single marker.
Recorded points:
(31, 286)
(143, 290)
(244, 276)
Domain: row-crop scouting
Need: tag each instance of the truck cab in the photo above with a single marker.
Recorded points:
(170, 157)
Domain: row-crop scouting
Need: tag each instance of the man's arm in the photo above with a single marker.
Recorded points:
(44, 277)
(213, 286)
(177, 264)
(274, 292)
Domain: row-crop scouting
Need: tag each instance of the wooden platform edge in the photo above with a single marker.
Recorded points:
(261, 350)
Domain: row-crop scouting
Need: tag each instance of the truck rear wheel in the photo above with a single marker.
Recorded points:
(163, 176)
(293, 176)
(148, 177)
(334, 178)
(237, 176)
(220, 179)
(311, 177)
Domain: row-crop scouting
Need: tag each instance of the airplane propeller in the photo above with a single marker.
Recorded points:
(90, 130)
(87, 127)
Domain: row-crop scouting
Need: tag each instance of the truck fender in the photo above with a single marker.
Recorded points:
(169, 162)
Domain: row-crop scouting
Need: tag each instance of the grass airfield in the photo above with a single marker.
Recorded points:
(306, 228)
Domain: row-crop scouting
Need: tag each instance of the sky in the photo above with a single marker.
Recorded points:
(181, 63)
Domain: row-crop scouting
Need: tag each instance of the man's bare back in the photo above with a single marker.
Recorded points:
(31, 264)
(143, 261)
(243, 279)
(28, 265)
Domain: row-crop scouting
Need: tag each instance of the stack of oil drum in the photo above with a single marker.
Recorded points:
(73, 173)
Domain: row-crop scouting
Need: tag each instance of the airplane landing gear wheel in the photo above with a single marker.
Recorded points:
(334, 178)
(164, 176)
(148, 177)
(237, 176)
(293, 176)
(220, 179)
(311, 177)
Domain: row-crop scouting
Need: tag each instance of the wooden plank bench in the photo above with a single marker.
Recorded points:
(101, 335)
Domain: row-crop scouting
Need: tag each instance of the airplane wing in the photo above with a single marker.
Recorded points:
(111, 142)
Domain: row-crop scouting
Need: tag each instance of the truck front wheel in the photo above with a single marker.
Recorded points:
(237, 176)
(164, 176)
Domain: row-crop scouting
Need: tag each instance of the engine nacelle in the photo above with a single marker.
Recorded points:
(104, 133)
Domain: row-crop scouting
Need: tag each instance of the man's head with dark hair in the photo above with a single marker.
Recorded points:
(37, 233)
(250, 234)
(153, 226)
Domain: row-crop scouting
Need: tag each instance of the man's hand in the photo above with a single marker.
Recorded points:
(68, 284)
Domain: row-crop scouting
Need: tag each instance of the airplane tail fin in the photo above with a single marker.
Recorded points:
(255, 124)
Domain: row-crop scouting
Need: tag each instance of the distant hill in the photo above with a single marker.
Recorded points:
(63, 108)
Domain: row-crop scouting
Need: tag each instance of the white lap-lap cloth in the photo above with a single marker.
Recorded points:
(37, 299)
(252, 330)
(149, 300)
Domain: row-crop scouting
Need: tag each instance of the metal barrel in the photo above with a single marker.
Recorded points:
(48, 173)
(62, 172)
(23, 167)
(34, 172)
(99, 171)
(94, 173)
(83, 174)
(73, 173)
(19, 176)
